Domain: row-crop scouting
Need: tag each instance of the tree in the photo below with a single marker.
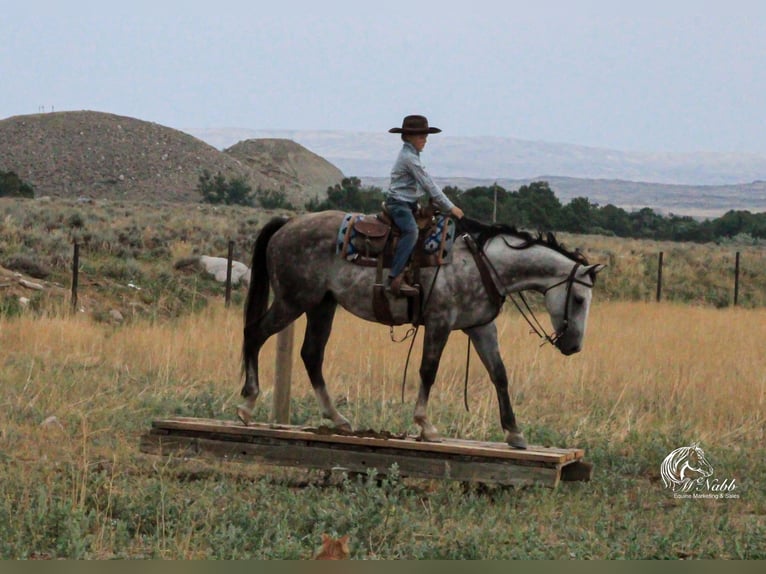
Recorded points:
(218, 190)
(614, 219)
(578, 216)
(539, 206)
(11, 185)
(272, 199)
(349, 195)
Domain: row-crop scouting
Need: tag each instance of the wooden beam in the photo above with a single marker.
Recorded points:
(452, 459)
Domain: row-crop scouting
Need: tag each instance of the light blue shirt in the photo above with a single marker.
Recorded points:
(409, 180)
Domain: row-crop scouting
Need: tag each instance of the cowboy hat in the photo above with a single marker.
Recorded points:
(414, 125)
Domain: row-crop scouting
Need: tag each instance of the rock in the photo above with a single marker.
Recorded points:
(30, 285)
(116, 316)
(216, 266)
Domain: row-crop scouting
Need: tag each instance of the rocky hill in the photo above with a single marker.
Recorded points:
(300, 172)
(101, 155)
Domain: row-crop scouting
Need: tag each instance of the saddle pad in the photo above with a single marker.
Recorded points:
(431, 244)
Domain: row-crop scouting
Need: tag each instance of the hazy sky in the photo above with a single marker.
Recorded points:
(641, 75)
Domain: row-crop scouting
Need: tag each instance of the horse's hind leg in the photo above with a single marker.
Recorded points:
(318, 326)
(278, 317)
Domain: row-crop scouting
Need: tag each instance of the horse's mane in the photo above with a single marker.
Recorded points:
(483, 232)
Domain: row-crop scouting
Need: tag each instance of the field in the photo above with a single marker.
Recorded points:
(78, 393)
(79, 390)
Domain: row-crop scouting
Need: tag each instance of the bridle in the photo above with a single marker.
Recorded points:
(539, 329)
(491, 279)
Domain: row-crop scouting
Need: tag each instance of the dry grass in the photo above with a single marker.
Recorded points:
(645, 367)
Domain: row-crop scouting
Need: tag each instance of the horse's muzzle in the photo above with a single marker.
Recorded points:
(568, 348)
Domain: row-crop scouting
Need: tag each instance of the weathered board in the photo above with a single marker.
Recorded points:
(322, 448)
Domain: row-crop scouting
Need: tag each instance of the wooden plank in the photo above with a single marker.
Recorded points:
(577, 470)
(456, 459)
(329, 457)
(237, 431)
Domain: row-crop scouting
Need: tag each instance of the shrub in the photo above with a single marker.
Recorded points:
(235, 191)
(11, 185)
(28, 266)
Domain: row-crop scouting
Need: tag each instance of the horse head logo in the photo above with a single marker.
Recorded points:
(685, 468)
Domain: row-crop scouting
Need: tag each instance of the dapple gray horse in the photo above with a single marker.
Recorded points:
(297, 259)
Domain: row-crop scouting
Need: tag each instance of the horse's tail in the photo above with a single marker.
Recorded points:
(258, 293)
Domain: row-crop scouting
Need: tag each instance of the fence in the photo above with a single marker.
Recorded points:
(736, 278)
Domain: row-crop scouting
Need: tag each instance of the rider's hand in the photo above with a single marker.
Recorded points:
(457, 212)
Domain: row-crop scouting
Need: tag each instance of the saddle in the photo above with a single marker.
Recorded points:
(370, 241)
(364, 239)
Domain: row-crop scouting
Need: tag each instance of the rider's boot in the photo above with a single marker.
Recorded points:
(400, 288)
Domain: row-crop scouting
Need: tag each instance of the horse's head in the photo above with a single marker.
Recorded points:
(568, 302)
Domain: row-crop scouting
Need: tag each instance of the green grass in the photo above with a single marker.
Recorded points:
(104, 508)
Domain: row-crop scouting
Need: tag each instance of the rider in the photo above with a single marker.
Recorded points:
(409, 180)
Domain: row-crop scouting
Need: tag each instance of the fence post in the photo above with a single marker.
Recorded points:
(283, 379)
(229, 259)
(659, 278)
(736, 279)
(75, 274)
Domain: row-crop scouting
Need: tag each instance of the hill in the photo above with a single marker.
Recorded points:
(101, 155)
(684, 183)
(300, 172)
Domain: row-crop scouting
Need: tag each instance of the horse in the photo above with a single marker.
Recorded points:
(296, 257)
(685, 468)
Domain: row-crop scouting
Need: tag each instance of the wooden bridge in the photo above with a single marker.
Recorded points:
(330, 450)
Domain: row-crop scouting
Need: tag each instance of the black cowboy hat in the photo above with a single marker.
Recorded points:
(414, 125)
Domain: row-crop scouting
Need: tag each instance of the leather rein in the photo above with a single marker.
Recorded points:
(491, 279)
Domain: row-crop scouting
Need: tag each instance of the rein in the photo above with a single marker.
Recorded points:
(491, 279)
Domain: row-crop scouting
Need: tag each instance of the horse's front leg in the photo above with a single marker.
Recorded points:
(434, 340)
(484, 339)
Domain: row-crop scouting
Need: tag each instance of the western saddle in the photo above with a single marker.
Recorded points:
(374, 238)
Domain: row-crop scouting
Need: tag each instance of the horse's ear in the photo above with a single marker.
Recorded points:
(592, 270)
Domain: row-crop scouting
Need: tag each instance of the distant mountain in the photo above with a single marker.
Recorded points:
(694, 200)
(688, 183)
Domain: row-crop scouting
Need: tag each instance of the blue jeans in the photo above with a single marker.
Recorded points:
(401, 213)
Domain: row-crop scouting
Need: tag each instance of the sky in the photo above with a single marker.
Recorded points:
(657, 76)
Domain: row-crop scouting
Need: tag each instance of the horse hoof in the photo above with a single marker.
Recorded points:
(430, 436)
(516, 439)
(344, 426)
(244, 414)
